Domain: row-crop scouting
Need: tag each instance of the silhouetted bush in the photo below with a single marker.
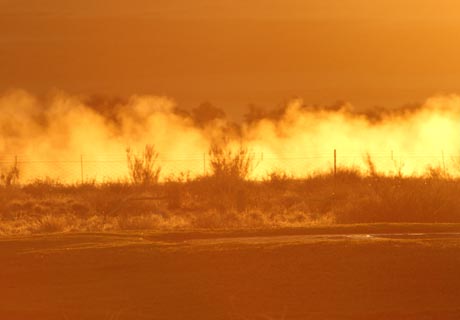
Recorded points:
(10, 176)
(144, 169)
(230, 164)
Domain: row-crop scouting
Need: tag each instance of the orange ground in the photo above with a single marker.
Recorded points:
(141, 277)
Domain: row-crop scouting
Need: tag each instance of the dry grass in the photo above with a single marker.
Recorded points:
(228, 203)
(226, 199)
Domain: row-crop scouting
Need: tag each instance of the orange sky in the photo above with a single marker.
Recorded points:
(234, 52)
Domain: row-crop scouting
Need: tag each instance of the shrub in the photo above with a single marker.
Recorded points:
(11, 176)
(229, 164)
(371, 168)
(144, 169)
(227, 188)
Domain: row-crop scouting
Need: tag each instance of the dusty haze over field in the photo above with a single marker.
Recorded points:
(229, 159)
(161, 59)
(298, 139)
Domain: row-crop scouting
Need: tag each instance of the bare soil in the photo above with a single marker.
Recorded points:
(219, 275)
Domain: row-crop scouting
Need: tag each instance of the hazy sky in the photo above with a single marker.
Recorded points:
(232, 53)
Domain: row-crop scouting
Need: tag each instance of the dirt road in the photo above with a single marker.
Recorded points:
(141, 276)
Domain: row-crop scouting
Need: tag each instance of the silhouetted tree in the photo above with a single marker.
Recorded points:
(206, 112)
(106, 106)
(254, 114)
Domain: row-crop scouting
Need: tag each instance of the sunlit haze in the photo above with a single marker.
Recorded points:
(229, 159)
(51, 138)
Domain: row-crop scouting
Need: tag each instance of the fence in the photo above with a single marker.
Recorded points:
(113, 167)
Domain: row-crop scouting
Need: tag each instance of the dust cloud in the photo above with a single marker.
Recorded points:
(69, 138)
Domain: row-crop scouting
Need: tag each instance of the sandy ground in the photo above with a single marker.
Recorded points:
(230, 276)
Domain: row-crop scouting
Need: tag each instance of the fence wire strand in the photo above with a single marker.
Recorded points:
(114, 167)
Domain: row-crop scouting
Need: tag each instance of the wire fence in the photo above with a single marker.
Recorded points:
(114, 167)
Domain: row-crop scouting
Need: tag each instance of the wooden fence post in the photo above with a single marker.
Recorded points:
(443, 162)
(335, 163)
(204, 163)
(81, 168)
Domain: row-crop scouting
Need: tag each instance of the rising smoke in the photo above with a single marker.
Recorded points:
(66, 137)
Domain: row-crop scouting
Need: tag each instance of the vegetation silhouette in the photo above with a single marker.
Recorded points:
(226, 199)
(144, 168)
(10, 176)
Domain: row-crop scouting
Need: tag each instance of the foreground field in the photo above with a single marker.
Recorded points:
(229, 202)
(291, 274)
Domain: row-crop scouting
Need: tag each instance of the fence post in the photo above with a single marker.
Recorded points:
(81, 168)
(443, 162)
(335, 163)
(204, 163)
